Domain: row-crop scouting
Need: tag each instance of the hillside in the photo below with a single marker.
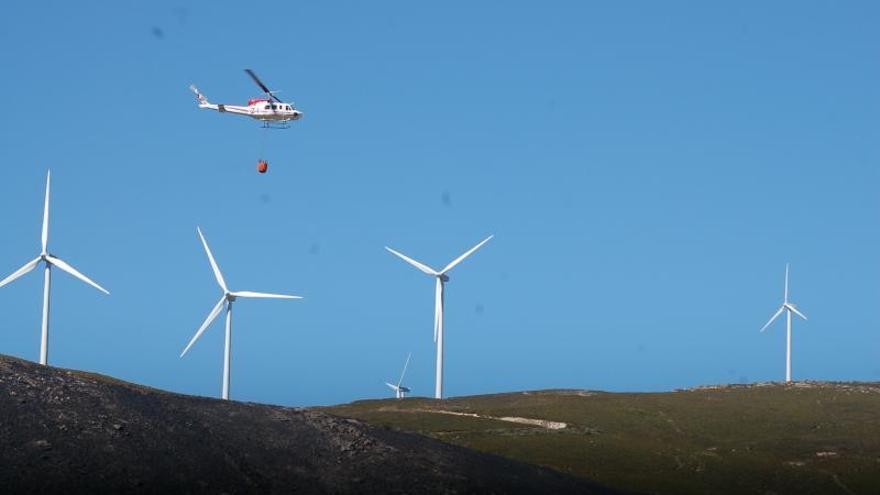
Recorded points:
(64, 431)
(801, 438)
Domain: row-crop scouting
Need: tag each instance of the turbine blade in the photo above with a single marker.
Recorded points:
(214, 266)
(28, 267)
(71, 270)
(211, 317)
(465, 255)
(773, 318)
(795, 311)
(393, 387)
(785, 295)
(404, 369)
(265, 295)
(424, 268)
(437, 306)
(45, 233)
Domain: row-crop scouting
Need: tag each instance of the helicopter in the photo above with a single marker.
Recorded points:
(271, 111)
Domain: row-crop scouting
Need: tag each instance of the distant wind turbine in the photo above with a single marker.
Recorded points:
(441, 279)
(228, 298)
(399, 390)
(788, 308)
(50, 261)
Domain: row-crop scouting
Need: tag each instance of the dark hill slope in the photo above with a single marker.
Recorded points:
(801, 438)
(70, 432)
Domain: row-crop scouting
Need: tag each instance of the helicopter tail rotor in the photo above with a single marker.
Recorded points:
(199, 96)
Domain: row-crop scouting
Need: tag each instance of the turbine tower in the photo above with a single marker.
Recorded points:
(788, 308)
(441, 279)
(50, 261)
(227, 299)
(399, 390)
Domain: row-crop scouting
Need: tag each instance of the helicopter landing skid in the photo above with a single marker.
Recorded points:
(275, 125)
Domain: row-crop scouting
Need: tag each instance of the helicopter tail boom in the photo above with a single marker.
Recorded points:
(220, 107)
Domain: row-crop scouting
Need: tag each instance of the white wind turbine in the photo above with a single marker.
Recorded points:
(788, 308)
(399, 390)
(50, 261)
(228, 298)
(441, 278)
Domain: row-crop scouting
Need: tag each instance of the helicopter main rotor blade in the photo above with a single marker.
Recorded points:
(262, 86)
(257, 80)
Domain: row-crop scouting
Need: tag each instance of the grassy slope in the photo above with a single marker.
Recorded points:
(738, 439)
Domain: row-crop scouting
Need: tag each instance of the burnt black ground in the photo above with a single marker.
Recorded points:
(65, 431)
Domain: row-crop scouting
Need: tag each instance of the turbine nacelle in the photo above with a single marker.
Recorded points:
(791, 307)
(48, 257)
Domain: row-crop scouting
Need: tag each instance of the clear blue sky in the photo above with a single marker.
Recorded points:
(647, 170)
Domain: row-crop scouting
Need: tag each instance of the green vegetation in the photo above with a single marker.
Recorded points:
(803, 438)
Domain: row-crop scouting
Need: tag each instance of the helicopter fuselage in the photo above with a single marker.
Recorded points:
(258, 108)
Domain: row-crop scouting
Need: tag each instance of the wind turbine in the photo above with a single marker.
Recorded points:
(788, 308)
(227, 299)
(50, 261)
(441, 279)
(400, 390)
